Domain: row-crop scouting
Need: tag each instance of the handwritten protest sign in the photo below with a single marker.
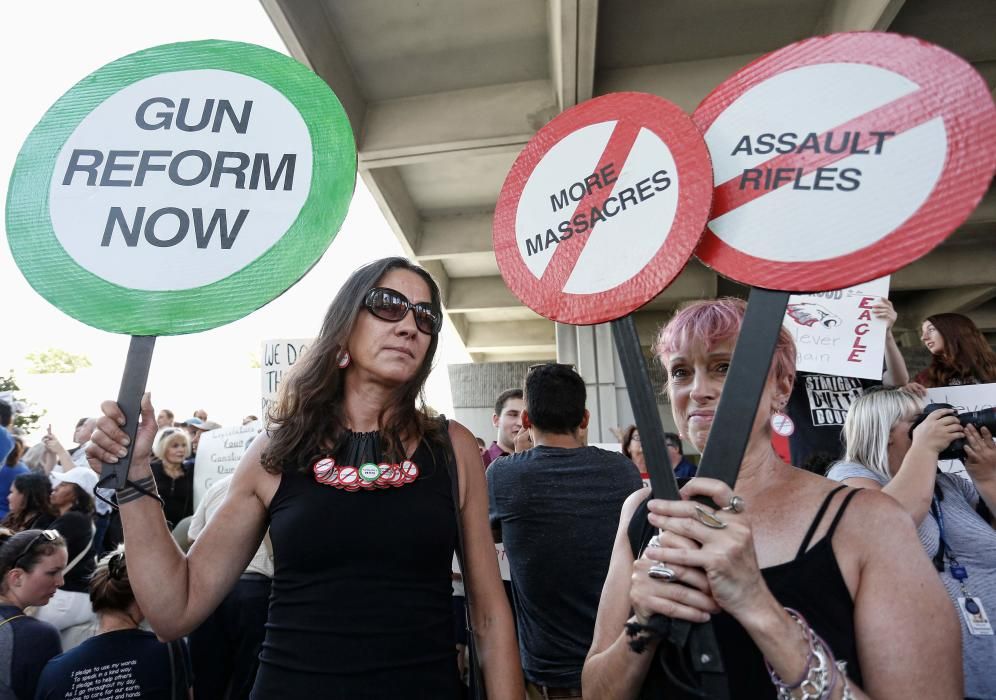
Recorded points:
(835, 332)
(218, 453)
(278, 357)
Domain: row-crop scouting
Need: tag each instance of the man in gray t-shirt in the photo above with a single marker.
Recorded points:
(556, 508)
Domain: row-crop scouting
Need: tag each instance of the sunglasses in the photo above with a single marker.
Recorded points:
(389, 305)
(49, 535)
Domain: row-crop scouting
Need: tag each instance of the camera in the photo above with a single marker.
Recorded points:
(956, 450)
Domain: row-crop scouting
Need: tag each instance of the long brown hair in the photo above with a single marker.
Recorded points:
(36, 490)
(307, 421)
(966, 355)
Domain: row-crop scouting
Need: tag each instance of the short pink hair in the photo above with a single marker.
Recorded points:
(711, 321)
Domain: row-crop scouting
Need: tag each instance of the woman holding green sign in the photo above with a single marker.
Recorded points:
(355, 484)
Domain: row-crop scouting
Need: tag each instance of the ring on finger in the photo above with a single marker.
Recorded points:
(736, 505)
(708, 519)
(662, 572)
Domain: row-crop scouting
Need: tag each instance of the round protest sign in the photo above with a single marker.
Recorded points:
(603, 208)
(181, 187)
(840, 159)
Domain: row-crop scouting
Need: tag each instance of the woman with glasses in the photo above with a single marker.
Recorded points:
(122, 655)
(31, 564)
(884, 454)
(633, 448)
(30, 504)
(802, 602)
(354, 480)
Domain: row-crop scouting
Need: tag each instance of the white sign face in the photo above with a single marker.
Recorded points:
(218, 454)
(170, 185)
(626, 231)
(761, 151)
(835, 332)
(602, 208)
(965, 399)
(278, 357)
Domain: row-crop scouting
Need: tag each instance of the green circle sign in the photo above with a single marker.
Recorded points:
(181, 187)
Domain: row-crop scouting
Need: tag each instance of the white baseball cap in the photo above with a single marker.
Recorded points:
(84, 477)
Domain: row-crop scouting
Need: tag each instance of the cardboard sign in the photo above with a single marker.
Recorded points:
(603, 208)
(218, 453)
(181, 187)
(965, 399)
(841, 159)
(278, 357)
(835, 332)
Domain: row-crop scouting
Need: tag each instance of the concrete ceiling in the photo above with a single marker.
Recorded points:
(443, 94)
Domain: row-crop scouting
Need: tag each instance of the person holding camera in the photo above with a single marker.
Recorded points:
(888, 450)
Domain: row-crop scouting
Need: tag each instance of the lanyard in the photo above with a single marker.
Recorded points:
(958, 572)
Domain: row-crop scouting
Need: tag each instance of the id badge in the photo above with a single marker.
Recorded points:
(975, 616)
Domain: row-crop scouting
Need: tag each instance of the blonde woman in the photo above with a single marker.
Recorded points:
(174, 482)
(883, 454)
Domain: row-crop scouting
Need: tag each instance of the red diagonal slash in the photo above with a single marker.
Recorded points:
(565, 255)
(897, 116)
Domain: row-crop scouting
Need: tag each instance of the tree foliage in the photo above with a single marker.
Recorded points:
(27, 420)
(56, 361)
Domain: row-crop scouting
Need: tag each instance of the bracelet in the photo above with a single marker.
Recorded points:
(134, 490)
(846, 693)
(820, 674)
(638, 633)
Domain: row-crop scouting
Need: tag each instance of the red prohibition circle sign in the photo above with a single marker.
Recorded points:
(841, 159)
(603, 208)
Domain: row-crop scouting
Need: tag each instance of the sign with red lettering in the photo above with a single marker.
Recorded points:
(840, 332)
(603, 208)
(840, 159)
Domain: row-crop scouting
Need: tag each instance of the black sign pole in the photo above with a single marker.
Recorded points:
(136, 374)
(724, 451)
(641, 397)
(701, 639)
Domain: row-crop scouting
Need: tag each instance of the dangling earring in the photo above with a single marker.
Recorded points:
(343, 360)
(781, 424)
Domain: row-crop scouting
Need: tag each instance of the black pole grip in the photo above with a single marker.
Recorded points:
(648, 421)
(136, 374)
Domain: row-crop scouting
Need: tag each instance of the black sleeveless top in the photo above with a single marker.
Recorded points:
(811, 583)
(361, 598)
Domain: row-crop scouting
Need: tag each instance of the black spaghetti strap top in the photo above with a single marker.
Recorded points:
(811, 583)
(361, 598)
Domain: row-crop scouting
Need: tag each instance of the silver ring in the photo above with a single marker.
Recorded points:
(736, 505)
(662, 572)
(708, 519)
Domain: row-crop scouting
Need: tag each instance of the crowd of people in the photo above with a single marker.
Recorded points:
(324, 566)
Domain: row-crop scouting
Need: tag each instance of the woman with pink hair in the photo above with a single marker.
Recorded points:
(802, 602)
